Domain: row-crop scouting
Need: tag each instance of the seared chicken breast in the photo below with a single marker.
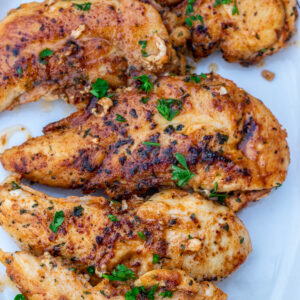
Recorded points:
(49, 278)
(58, 48)
(172, 230)
(244, 30)
(210, 136)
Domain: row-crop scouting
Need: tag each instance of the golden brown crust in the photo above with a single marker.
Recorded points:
(204, 239)
(259, 29)
(85, 46)
(49, 278)
(226, 135)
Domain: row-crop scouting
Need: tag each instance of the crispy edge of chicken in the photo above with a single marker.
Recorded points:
(50, 278)
(231, 142)
(84, 45)
(245, 31)
(204, 239)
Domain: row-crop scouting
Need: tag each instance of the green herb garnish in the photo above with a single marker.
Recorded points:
(91, 270)
(15, 186)
(57, 221)
(19, 70)
(147, 85)
(220, 196)
(181, 175)
(84, 6)
(119, 118)
(197, 78)
(219, 2)
(142, 236)
(189, 20)
(164, 107)
(166, 294)
(155, 258)
(113, 218)
(235, 10)
(99, 88)
(19, 297)
(121, 273)
(45, 53)
(151, 144)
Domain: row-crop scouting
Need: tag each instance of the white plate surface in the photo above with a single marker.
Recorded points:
(272, 271)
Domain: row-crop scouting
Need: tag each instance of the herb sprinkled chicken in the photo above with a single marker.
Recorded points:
(244, 30)
(50, 278)
(200, 132)
(172, 230)
(57, 49)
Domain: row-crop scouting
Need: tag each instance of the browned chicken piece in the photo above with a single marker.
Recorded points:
(244, 30)
(230, 141)
(172, 230)
(49, 278)
(58, 48)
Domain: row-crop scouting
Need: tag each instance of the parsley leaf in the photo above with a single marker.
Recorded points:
(15, 186)
(197, 78)
(121, 273)
(99, 88)
(142, 236)
(164, 107)
(131, 295)
(189, 20)
(219, 2)
(143, 44)
(278, 185)
(19, 297)
(146, 84)
(190, 8)
(155, 258)
(235, 10)
(119, 118)
(19, 70)
(152, 292)
(166, 294)
(57, 221)
(91, 270)
(84, 6)
(145, 100)
(45, 53)
(181, 175)
(113, 218)
(220, 196)
(151, 144)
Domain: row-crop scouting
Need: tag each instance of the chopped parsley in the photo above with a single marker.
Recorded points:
(155, 258)
(145, 100)
(220, 196)
(91, 270)
(235, 10)
(45, 53)
(181, 175)
(190, 237)
(121, 273)
(99, 88)
(197, 78)
(151, 144)
(152, 292)
(278, 185)
(57, 221)
(15, 186)
(242, 239)
(166, 294)
(119, 118)
(142, 236)
(84, 6)
(86, 133)
(219, 2)
(146, 84)
(19, 70)
(77, 211)
(113, 218)
(190, 8)
(19, 297)
(189, 20)
(143, 45)
(131, 295)
(165, 108)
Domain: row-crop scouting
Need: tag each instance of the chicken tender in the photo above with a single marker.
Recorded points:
(172, 230)
(244, 30)
(49, 278)
(56, 49)
(230, 146)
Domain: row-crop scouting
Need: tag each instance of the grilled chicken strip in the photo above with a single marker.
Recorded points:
(244, 30)
(231, 143)
(58, 48)
(174, 229)
(49, 278)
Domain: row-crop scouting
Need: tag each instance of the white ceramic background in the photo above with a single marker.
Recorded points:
(272, 271)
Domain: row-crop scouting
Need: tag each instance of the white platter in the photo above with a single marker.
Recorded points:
(272, 271)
